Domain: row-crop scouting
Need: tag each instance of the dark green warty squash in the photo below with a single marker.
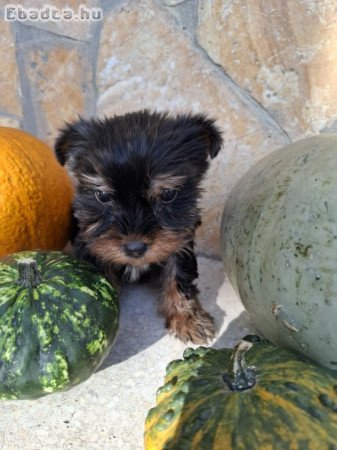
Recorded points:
(255, 397)
(58, 321)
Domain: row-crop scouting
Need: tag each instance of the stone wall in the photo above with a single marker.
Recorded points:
(266, 70)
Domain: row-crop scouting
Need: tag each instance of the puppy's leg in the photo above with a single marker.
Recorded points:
(180, 306)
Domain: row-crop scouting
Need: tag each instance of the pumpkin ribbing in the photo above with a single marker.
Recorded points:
(58, 320)
(293, 404)
(35, 195)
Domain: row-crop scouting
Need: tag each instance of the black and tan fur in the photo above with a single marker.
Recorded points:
(137, 181)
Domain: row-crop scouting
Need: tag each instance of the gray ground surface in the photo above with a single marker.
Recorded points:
(108, 411)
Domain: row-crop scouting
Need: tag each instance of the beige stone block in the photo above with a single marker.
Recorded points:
(10, 122)
(63, 17)
(173, 2)
(10, 98)
(282, 52)
(146, 61)
(60, 79)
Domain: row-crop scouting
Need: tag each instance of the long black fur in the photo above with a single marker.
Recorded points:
(128, 152)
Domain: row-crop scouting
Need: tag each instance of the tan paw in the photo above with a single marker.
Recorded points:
(196, 326)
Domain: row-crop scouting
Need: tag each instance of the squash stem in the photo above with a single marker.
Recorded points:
(29, 276)
(240, 377)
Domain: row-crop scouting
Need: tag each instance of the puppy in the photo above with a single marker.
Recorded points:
(137, 180)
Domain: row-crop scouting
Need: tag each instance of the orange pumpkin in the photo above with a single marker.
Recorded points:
(35, 195)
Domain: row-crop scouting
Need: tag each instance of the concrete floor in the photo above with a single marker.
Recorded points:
(108, 411)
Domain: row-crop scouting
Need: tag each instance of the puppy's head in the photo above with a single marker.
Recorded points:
(137, 182)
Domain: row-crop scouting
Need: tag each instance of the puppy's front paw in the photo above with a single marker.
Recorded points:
(196, 326)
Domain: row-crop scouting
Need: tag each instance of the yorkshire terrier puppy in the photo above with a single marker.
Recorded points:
(137, 180)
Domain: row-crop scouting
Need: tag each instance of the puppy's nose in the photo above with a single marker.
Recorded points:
(136, 249)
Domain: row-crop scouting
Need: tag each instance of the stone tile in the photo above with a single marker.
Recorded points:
(108, 411)
(75, 29)
(61, 85)
(145, 60)
(9, 122)
(284, 53)
(173, 2)
(10, 99)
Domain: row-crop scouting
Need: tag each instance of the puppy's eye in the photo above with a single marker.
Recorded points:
(103, 197)
(168, 195)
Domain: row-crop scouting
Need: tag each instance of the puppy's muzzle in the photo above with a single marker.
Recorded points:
(135, 249)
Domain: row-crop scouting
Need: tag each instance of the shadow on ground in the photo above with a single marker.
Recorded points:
(140, 326)
(235, 331)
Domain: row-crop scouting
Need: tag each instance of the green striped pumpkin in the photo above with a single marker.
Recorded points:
(58, 321)
(257, 397)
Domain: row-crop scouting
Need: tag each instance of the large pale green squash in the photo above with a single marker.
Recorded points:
(257, 397)
(279, 245)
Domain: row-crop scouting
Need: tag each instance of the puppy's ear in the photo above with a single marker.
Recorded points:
(210, 133)
(70, 140)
